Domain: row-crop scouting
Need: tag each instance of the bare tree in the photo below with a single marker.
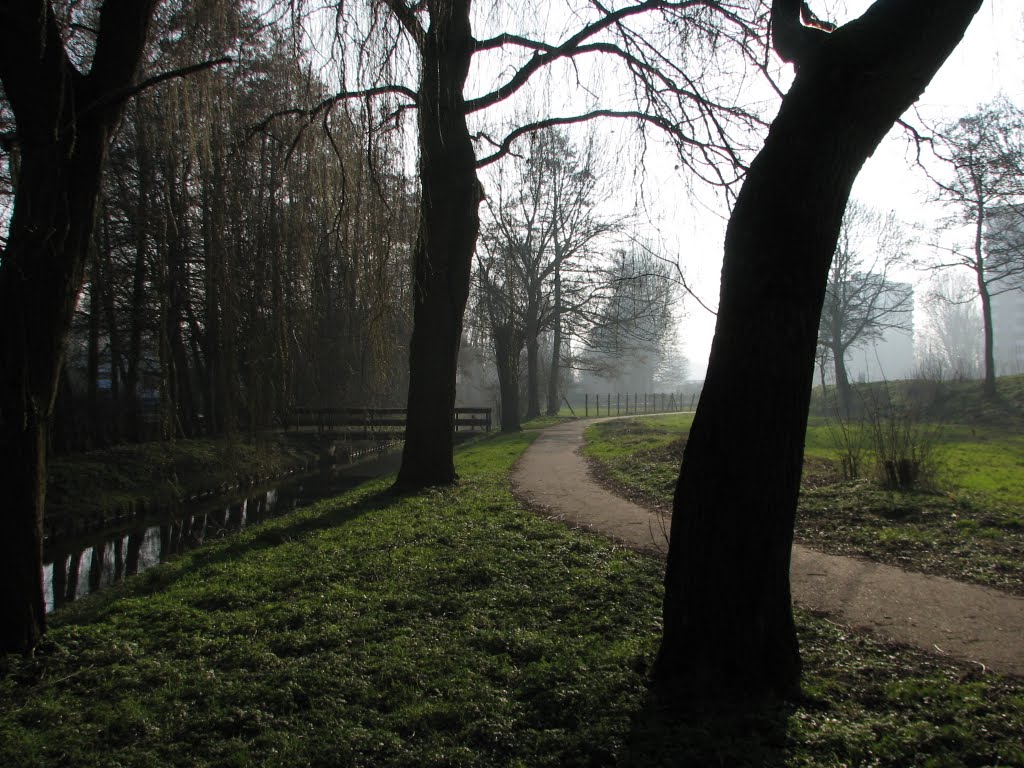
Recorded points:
(632, 320)
(861, 302)
(541, 215)
(951, 338)
(985, 156)
(728, 618)
(499, 291)
(432, 46)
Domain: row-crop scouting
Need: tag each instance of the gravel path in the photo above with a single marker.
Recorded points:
(962, 620)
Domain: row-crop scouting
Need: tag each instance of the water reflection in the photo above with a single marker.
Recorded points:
(76, 566)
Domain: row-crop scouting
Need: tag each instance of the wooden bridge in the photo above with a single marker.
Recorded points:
(375, 423)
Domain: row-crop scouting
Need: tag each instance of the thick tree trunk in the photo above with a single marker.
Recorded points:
(449, 223)
(729, 628)
(532, 371)
(63, 126)
(507, 345)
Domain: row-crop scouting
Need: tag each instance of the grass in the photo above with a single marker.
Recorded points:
(971, 529)
(449, 628)
(947, 402)
(158, 473)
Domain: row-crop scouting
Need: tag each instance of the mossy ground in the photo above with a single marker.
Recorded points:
(449, 628)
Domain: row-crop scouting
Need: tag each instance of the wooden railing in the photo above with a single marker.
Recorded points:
(376, 423)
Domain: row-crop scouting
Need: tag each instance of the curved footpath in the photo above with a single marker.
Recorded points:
(969, 622)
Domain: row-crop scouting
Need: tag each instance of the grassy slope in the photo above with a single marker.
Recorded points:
(448, 628)
(163, 472)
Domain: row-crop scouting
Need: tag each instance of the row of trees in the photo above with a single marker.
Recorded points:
(552, 275)
(238, 266)
(728, 628)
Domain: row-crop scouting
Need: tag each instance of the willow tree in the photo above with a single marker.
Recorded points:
(66, 105)
(433, 45)
(728, 619)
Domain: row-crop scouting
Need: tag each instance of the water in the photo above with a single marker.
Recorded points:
(77, 566)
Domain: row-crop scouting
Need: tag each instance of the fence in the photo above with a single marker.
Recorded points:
(376, 423)
(628, 404)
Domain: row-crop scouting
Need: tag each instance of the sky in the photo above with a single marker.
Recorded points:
(988, 62)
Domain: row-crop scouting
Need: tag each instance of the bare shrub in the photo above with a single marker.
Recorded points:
(902, 439)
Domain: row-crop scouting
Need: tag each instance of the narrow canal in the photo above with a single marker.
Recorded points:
(79, 565)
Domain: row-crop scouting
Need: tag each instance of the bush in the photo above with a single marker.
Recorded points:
(898, 434)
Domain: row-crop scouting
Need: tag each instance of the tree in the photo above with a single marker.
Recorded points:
(541, 219)
(633, 324)
(985, 155)
(951, 337)
(65, 106)
(499, 306)
(438, 33)
(728, 620)
(861, 303)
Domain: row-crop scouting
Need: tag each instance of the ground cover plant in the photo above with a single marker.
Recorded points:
(449, 628)
(968, 526)
(164, 472)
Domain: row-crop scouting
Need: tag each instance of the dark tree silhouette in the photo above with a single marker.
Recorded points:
(729, 629)
(64, 120)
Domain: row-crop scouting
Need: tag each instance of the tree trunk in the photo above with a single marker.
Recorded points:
(728, 620)
(842, 381)
(532, 370)
(554, 401)
(507, 346)
(142, 226)
(449, 222)
(988, 387)
(92, 396)
(63, 127)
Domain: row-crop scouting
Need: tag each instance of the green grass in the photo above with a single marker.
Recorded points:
(449, 628)
(948, 402)
(970, 527)
(157, 473)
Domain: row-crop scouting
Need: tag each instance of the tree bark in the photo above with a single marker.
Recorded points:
(532, 369)
(449, 223)
(64, 121)
(728, 620)
(508, 343)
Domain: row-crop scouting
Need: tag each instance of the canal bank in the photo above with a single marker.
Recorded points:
(115, 513)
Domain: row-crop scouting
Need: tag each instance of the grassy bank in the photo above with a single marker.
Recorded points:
(969, 527)
(159, 473)
(448, 628)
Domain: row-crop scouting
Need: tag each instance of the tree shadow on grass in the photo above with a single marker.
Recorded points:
(708, 733)
(269, 534)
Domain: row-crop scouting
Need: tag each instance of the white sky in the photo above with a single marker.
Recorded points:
(988, 62)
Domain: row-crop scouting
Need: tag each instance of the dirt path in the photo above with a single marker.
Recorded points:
(970, 622)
